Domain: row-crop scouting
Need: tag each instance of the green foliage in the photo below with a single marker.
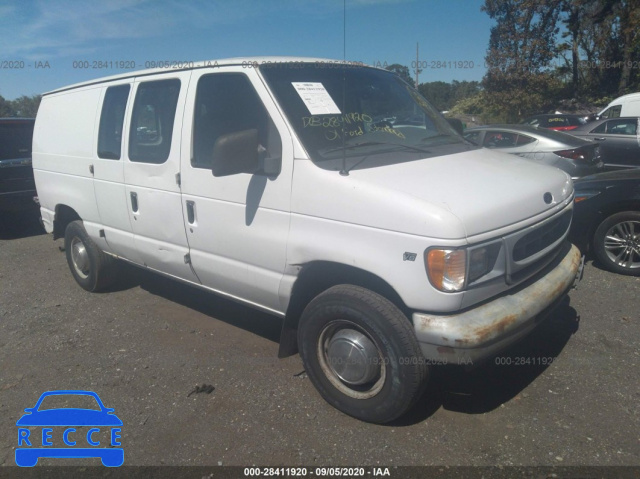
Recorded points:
(473, 105)
(445, 95)
(518, 81)
(403, 72)
(5, 108)
(533, 64)
(25, 106)
(523, 39)
(601, 46)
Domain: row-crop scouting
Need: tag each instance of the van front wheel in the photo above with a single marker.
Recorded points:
(90, 266)
(361, 354)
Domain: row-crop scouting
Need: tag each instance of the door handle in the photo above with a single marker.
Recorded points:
(599, 139)
(134, 202)
(191, 213)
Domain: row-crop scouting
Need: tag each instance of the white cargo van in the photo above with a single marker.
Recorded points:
(331, 195)
(626, 105)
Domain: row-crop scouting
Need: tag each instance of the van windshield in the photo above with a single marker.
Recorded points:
(362, 116)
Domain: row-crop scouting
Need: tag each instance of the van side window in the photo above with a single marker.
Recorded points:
(227, 103)
(152, 121)
(613, 112)
(111, 122)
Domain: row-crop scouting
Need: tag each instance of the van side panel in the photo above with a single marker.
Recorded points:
(631, 109)
(110, 191)
(155, 214)
(63, 141)
(238, 236)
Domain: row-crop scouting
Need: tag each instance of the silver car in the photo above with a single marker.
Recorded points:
(576, 156)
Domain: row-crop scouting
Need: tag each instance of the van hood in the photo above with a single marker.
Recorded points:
(448, 197)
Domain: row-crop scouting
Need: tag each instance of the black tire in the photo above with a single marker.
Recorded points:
(378, 389)
(90, 266)
(616, 243)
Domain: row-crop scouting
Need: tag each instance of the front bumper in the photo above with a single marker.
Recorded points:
(481, 332)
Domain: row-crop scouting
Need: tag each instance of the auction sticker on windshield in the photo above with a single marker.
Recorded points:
(53, 429)
(316, 97)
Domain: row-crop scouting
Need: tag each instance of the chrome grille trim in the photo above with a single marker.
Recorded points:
(531, 249)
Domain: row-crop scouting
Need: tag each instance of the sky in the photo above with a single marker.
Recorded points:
(47, 44)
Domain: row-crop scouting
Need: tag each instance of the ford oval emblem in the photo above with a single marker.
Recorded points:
(547, 197)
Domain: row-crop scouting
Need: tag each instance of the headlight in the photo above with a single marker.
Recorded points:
(450, 270)
(446, 268)
(585, 195)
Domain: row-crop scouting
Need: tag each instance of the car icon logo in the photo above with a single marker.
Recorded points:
(62, 423)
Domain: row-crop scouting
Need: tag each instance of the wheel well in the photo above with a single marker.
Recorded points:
(318, 276)
(64, 216)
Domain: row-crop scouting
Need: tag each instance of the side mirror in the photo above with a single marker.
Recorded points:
(456, 124)
(236, 153)
(240, 152)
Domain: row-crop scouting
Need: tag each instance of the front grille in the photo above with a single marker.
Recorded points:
(542, 237)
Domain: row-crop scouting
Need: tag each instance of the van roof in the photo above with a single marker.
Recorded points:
(189, 65)
(628, 95)
(620, 100)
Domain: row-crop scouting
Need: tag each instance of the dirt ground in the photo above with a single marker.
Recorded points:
(146, 346)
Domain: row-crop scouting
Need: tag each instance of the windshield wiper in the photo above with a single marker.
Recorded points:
(437, 137)
(374, 143)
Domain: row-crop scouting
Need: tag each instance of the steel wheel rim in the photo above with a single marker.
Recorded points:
(369, 384)
(622, 244)
(80, 258)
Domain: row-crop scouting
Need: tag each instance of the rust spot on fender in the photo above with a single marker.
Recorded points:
(499, 319)
(425, 322)
(494, 329)
(445, 350)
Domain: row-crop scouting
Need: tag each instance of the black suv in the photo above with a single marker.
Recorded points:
(17, 187)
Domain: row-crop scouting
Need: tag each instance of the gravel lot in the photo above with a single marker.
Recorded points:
(145, 346)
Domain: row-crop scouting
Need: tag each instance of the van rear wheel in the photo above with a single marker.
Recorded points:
(361, 354)
(92, 269)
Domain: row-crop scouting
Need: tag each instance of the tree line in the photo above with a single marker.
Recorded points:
(542, 53)
(24, 106)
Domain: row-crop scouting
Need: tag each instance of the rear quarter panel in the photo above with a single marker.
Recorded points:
(63, 150)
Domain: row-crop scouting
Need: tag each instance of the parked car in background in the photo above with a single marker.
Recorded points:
(17, 187)
(559, 122)
(618, 139)
(576, 156)
(606, 219)
(626, 105)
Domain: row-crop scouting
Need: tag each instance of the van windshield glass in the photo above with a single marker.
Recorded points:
(366, 116)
